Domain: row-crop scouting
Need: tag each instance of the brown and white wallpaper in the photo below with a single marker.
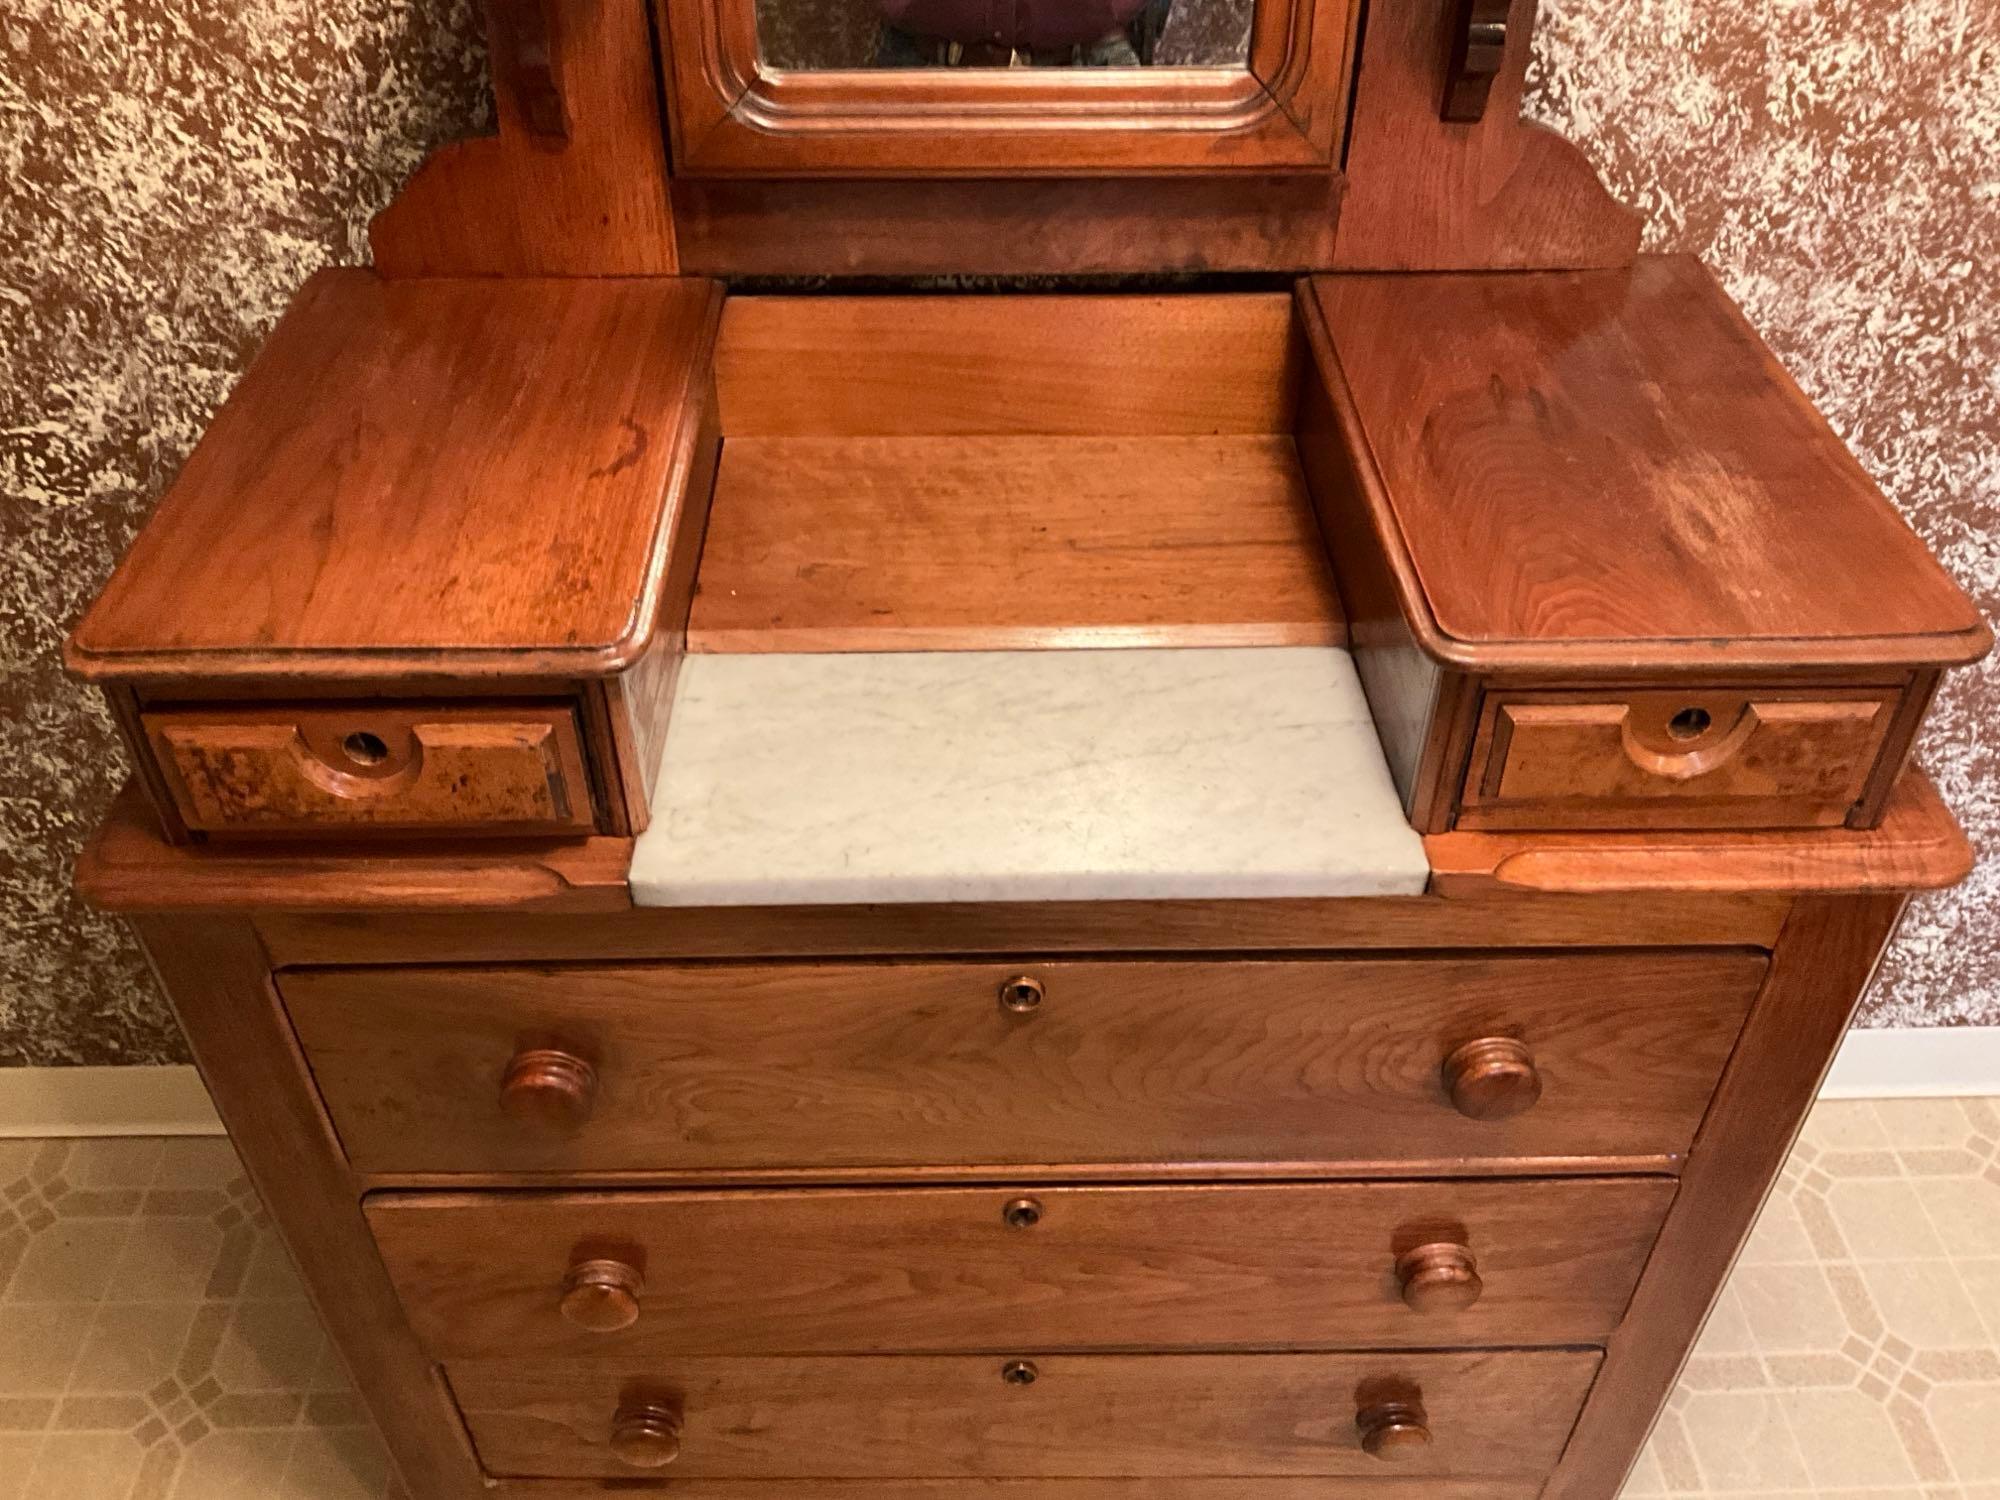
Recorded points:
(171, 169)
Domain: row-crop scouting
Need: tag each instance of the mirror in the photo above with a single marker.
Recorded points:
(821, 35)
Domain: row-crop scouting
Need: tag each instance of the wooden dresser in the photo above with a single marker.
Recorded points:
(1228, 884)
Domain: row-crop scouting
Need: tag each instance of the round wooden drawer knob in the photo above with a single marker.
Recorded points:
(1493, 1078)
(548, 1087)
(1394, 1431)
(602, 1295)
(1439, 1278)
(646, 1434)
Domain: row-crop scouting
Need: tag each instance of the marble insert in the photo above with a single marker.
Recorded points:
(1026, 776)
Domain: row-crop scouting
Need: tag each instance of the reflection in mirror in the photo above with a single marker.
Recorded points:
(830, 34)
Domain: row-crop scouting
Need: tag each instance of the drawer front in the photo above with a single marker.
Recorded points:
(734, 1067)
(1695, 758)
(1374, 1264)
(505, 769)
(1027, 1415)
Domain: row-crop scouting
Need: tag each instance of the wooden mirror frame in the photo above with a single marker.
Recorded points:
(731, 116)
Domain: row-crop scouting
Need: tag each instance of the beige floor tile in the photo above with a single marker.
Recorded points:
(17, 1461)
(1966, 1419)
(1847, 1439)
(237, 1466)
(1780, 1236)
(1727, 1330)
(70, 1261)
(271, 1275)
(270, 1346)
(1844, 1125)
(1645, 1480)
(170, 1261)
(1965, 1212)
(132, 1346)
(1982, 1285)
(114, 1162)
(331, 1463)
(38, 1347)
(1789, 1309)
(198, 1162)
(83, 1466)
(1924, 1303)
(1883, 1220)
(1924, 1124)
(1743, 1444)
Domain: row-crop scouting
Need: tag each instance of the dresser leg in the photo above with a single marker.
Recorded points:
(215, 972)
(1825, 954)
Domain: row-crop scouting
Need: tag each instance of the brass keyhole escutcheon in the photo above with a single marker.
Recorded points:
(1020, 1372)
(1022, 1213)
(1023, 995)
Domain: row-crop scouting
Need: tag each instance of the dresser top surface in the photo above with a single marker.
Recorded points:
(1613, 459)
(441, 475)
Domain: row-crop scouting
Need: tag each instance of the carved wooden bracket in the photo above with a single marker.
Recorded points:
(526, 58)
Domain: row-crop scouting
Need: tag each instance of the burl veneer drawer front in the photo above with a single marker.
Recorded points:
(1027, 1415)
(733, 1067)
(368, 768)
(1673, 758)
(1375, 1264)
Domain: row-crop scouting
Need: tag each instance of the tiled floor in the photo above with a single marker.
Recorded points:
(155, 1344)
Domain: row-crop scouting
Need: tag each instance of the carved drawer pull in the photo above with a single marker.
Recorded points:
(1393, 1431)
(1439, 1278)
(646, 1434)
(602, 1295)
(1492, 1078)
(550, 1088)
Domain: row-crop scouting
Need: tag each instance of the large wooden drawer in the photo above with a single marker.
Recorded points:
(1486, 1415)
(739, 1067)
(1324, 1265)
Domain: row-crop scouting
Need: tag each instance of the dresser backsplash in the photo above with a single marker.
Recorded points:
(191, 161)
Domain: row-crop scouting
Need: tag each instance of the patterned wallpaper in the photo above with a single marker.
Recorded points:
(171, 169)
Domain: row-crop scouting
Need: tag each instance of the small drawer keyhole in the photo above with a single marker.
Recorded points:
(1020, 1372)
(1022, 995)
(364, 749)
(1022, 1213)
(1689, 724)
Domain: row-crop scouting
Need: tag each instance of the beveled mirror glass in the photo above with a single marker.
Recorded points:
(838, 35)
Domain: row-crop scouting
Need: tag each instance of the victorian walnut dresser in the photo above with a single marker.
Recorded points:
(1133, 775)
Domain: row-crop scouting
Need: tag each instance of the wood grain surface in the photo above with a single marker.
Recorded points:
(507, 444)
(1078, 366)
(891, 1064)
(920, 1269)
(1600, 468)
(993, 543)
(1491, 1414)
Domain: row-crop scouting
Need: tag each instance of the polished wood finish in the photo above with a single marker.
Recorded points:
(1823, 962)
(592, 202)
(1918, 847)
(1799, 758)
(1284, 1265)
(1500, 193)
(1393, 1431)
(1492, 1078)
(729, 115)
(1009, 543)
(515, 769)
(1386, 1486)
(886, 1065)
(996, 226)
(549, 1089)
(646, 1434)
(1025, 366)
(509, 444)
(1491, 1415)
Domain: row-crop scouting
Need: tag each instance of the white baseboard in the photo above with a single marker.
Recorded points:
(104, 1101)
(1916, 1062)
(1897, 1062)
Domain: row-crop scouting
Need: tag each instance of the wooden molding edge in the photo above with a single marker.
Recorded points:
(1500, 193)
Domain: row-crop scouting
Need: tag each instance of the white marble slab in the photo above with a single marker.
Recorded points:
(1022, 776)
